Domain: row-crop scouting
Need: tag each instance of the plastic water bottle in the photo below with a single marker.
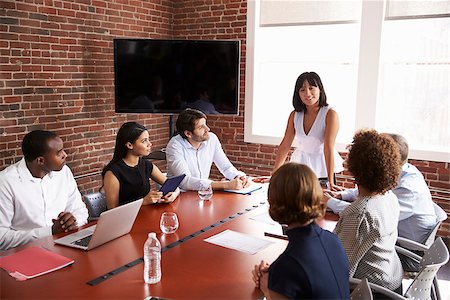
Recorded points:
(152, 259)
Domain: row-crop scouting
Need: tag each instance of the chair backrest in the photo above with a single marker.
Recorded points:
(432, 260)
(437, 254)
(441, 215)
(96, 204)
(374, 288)
(362, 291)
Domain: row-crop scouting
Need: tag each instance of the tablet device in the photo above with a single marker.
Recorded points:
(171, 184)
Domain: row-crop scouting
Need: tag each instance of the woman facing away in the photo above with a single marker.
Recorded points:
(314, 264)
(127, 176)
(368, 227)
(314, 125)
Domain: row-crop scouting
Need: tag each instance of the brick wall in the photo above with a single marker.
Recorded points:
(57, 73)
(56, 70)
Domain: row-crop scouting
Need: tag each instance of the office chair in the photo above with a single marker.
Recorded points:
(434, 257)
(424, 285)
(415, 246)
(362, 291)
(96, 204)
(410, 265)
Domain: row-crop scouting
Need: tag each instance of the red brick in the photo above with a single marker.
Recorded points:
(438, 184)
(443, 171)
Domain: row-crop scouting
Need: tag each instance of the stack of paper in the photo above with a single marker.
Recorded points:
(32, 262)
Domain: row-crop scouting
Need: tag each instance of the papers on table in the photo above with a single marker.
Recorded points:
(248, 190)
(32, 262)
(238, 241)
(265, 218)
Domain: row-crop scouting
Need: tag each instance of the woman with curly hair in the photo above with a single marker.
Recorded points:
(314, 264)
(368, 227)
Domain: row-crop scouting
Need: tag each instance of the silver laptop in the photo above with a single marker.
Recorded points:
(111, 224)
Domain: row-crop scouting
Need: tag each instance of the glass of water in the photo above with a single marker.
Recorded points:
(169, 222)
(205, 192)
(325, 184)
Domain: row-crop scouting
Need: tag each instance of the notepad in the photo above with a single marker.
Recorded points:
(238, 241)
(32, 262)
(264, 218)
(246, 191)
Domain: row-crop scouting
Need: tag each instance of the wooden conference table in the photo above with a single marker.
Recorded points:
(191, 269)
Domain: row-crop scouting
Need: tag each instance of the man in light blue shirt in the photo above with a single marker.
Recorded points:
(193, 151)
(417, 214)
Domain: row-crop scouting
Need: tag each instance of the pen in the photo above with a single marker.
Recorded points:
(249, 193)
(282, 237)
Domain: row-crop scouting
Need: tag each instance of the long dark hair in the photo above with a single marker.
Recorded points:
(314, 80)
(129, 132)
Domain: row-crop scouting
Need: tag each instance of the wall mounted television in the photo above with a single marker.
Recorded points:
(167, 76)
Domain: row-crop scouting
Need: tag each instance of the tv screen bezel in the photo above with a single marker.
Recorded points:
(119, 109)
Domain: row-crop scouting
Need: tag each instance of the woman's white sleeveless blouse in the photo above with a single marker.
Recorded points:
(309, 147)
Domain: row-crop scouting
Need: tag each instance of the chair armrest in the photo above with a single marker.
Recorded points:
(354, 281)
(378, 289)
(410, 244)
(408, 253)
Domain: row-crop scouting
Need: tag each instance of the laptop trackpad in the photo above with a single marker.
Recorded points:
(78, 235)
(83, 233)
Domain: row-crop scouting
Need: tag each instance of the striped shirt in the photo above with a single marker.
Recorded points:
(368, 231)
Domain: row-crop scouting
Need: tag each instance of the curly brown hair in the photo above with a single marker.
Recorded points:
(374, 161)
(295, 195)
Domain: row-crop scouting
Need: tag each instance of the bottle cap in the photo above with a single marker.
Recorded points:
(152, 234)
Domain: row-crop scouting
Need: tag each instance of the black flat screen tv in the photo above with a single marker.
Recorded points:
(167, 76)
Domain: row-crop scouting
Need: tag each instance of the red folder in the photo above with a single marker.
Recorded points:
(32, 262)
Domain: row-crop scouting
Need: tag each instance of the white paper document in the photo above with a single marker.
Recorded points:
(265, 218)
(252, 188)
(238, 241)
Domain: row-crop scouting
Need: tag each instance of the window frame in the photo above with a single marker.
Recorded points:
(368, 79)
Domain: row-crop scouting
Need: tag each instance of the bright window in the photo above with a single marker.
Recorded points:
(392, 75)
(414, 83)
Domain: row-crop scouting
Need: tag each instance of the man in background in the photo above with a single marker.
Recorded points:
(38, 195)
(202, 101)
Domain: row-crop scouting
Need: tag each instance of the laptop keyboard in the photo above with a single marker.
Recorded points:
(83, 242)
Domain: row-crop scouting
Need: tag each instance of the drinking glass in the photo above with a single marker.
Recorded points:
(169, 222)
(205, 192)
(325, 184)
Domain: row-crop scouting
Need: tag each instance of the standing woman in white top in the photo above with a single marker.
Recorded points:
(314, 125)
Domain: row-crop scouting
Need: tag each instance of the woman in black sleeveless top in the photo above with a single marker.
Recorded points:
(127, 176)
